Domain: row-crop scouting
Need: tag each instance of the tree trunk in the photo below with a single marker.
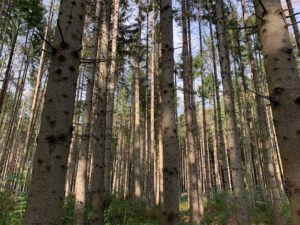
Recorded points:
(220, 133)
(152, 146)
(81, 176)
(46, 193)
(137, 113)
(98, 186)
(190, 138)
(169, 129)
(234, 149)
(7, 75)
(111, 91)
(284, 88)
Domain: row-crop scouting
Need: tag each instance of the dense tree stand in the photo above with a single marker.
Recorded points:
(149, 112)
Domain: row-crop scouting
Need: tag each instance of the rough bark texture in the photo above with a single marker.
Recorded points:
(46, 191)
(284, 88)
(169, 129)
(234, 149)
(264, 129)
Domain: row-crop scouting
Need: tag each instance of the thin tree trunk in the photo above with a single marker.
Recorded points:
(111, 91)
(294, 23)
(137, 113)
(234, 149)
(81, 176)
(191, 145)
(98, 186)
(7, 75)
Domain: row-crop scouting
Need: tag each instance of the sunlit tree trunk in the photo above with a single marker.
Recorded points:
(137, 113)
(50, 162)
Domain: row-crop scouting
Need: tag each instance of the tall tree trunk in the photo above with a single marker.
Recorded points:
(284, 88)
(191, 142)
(81, 176)
(46, 191)
(137, 112)
(234, 149)
(98, 186)
(263, 129)
(152, 146)
(220, 134)
(169, 129)
(111, 91)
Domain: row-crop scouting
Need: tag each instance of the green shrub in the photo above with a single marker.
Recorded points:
(12, 211)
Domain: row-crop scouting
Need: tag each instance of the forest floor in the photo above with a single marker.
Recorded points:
(129, 212)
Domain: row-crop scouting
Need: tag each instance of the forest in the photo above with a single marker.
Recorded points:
(149, 112)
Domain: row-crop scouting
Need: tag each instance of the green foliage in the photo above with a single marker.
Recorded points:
(260, 213)
(31, 12)
(6, 206)
(68, 210)
(12, 211)
(129, 212)
(220, 213)
(17, 215)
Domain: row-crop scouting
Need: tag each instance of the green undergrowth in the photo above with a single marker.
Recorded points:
(12, 210)
(131, 212)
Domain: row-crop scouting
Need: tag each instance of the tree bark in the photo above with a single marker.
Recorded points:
(46, 191)
(169, 129)
(81, 176)
(284, 88)
(98, 186)
(234, 149)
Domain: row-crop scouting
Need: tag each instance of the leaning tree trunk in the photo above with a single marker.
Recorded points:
(284, 88)
(46, 191)
(7, 74)
(169, 129)
(234, 149)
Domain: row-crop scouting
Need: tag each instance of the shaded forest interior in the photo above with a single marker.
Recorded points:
(149, 112)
